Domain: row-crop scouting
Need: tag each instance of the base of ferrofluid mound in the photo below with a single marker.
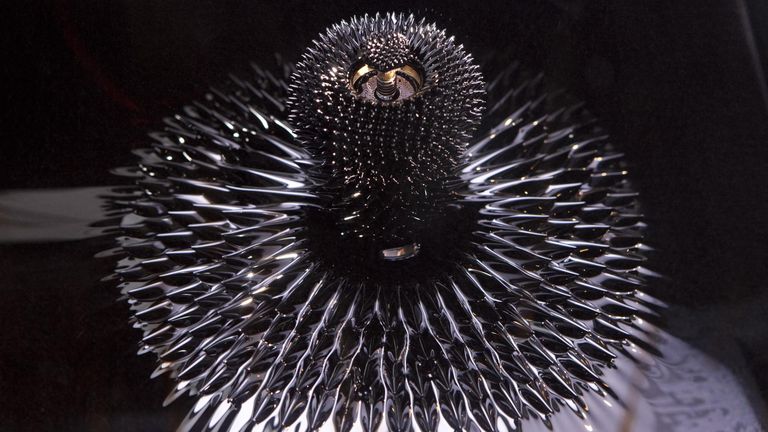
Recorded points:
(685, 391)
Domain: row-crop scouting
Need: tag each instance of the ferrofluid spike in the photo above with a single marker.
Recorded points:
(363, 262)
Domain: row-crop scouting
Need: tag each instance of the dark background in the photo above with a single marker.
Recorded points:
(679, 84)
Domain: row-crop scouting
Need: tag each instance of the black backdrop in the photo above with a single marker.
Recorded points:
(678, 84)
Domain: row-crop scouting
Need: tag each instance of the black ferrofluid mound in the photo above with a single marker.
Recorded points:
(357, 263)
(387, 157)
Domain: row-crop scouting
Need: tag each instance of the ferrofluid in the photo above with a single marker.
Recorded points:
(377, 238)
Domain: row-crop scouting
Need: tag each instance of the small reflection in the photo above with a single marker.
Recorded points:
(400, 253)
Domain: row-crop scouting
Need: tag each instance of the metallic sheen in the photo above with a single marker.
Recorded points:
(256, 239)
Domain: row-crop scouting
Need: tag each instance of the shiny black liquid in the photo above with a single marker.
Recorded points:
(663, 96)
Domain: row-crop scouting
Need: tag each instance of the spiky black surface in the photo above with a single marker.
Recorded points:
(384, 166)
(371, 144)
(515, 320)
(384, 50)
